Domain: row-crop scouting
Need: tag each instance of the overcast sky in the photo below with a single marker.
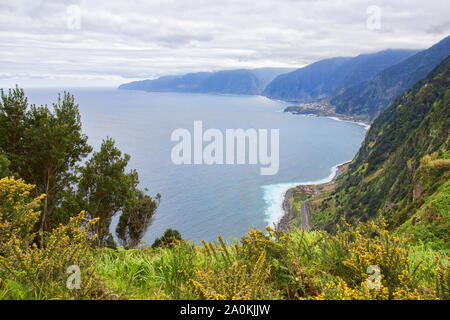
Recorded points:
(105, 43)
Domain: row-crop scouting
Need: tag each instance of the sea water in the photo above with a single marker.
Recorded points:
(203, 201)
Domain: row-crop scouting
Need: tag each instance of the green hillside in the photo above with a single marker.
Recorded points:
(389, 210)
(402, 168)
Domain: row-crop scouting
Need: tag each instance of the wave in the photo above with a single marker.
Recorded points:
(274, 194)
(366, 126)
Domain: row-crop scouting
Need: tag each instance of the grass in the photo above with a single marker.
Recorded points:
(297, 265)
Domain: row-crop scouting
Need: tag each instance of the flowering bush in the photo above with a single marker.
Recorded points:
(239, 282)
(40, 271)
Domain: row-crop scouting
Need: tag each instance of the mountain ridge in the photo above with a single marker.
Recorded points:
(370, 98)
(237, 81)
(324, 78)
(402, 169)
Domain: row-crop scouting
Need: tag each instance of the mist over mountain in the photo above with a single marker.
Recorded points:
(360, 87)
(372, 97)
(316, 81)
(239, 81)
(327, 77)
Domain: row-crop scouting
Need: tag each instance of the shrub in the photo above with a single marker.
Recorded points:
(40, 271)
(240, 282)
(168, 239)
(370, 244)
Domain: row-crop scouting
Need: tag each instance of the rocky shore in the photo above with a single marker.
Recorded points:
(290, 213)
(323, 109)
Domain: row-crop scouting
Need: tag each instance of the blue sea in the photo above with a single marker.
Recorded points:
(202, 201)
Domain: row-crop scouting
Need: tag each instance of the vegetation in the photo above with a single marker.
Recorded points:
(402, 164)
(382, 228)
(29, 271)
(168, 239)
(44, 147)
(276, 265)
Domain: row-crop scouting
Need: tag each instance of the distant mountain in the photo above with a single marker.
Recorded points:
(327, 77)
(240, 81)
(306, 84)
(187, 82)
(232, 81)
(371, 97)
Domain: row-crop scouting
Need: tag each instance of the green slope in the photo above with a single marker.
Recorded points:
(403, 163)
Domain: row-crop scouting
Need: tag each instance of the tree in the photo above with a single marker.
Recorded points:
(168, 239)
(53, 145)
(13, 108)
(136, 217)
(106, 189)
(4, 166)
(44, 147)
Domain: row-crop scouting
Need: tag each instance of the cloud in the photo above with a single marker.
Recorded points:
(109, 42)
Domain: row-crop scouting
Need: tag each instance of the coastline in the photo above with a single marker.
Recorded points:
(335, 117)
(284, 221)
(326, 110)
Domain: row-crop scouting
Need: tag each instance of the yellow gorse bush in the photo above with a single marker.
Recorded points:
(370, 244)
(41, 270)
(339, 290)
(272, 265)
(18, 211)
(374, 245)
(239, 282)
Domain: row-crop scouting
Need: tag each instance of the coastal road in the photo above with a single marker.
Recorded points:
(305, 209)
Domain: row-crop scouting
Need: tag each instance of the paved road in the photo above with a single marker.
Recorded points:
(305, 209)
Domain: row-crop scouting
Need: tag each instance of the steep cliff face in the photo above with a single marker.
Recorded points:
(327, 77)
(403, 160)
(371, 97)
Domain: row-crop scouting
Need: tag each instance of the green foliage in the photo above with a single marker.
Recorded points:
(278, 265)
(430, 223)
(18, 210)
(33, 271)
(387, 169)
(4, 166)
(44, 147)
(168, 239)
(13, 108)
(105, 188)
(135, 218)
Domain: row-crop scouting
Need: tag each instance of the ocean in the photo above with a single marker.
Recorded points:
(203, 201)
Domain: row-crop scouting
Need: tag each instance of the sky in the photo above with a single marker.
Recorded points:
(77, 43)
